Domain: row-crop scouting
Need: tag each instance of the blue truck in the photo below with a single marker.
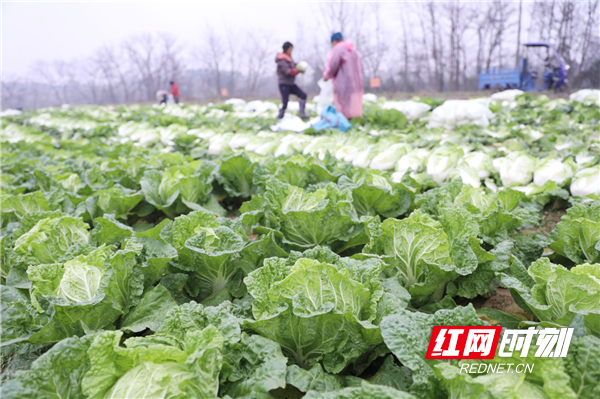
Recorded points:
(526, 76)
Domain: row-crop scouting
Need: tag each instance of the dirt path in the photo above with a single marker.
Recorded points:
(501, 300)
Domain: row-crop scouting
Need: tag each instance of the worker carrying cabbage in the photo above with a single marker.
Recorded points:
(287, 70)
(343, 68)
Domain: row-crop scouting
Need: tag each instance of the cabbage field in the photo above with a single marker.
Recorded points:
(201, 251)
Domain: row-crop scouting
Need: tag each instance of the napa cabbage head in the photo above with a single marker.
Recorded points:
(214, 253)
(320, 145)
(77, 280)
(578, 233)
(81, 277)
(552, 169)
(347, 153)
(292, 144)
(50, 238)
(260, 140)
(151, 367)
(381, 182)
(414, 161)
(585, 159)
(364, 157)
(516, 169)
(219, 143)
(22, 204)
(407, 334)
(374, 194)
(317, 311)
(351, 148)
(118, 200)
(190, 184)
(69, 181)
(387, 159)
(481, 162)
(409, 245)
(467, 174)
(586, 182)
(442, 161)
(240, 140)
(268, 148)
(324, 216)
(86, 293)
(559, 294)
(215, 257)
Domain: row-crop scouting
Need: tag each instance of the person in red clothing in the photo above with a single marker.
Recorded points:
(345, 71)
(175, 91)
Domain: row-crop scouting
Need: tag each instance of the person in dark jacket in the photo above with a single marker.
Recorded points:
(162, 96)
(286, 75)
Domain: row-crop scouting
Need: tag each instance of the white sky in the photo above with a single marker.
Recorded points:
(70, 30)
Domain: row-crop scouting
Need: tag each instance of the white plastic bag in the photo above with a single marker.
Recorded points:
(325, 96)
(293, 106)
(291, 123)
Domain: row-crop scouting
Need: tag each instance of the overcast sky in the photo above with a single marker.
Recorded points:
(72, 30)
(52, 30)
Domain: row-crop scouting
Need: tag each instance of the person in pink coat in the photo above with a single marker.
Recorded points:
(343, 68)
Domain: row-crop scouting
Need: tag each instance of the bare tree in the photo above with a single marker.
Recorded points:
(586, 40)
(498, 23)
(336, 16)
(482, 35)
(141, 52)
(257, 52)
(373, 49)
(571, 26)
(50, 74)
(13, 95)
(107, 71)
(212, 55)
(423, 53)
(113, 63)
(155, 59)
(454, 11)
(431, 45)
(519, 33)
(433, 29)
(232, 58)
(90, 76)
